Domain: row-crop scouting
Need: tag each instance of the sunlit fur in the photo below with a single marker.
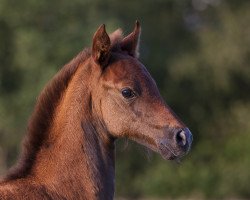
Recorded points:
(68, 151)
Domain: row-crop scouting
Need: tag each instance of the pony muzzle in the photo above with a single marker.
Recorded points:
(177, 146)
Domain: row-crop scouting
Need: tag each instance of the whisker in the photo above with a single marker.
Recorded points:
(170, 150)
(178, 161)
(125, 144)
(148, 153)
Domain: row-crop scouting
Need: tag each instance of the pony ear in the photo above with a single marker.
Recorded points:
(101, 46)
(131, 42)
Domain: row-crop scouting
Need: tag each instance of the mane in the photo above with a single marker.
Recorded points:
(116, 37)
(42, 116)
(43, 113)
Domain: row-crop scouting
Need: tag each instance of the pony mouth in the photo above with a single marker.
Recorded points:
(164, 149)
(169, 153)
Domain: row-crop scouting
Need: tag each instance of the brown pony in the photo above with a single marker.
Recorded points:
(103, 94)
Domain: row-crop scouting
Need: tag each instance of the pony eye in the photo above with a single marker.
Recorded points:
(128, 93)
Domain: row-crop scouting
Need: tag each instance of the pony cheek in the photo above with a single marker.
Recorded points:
(114, 121)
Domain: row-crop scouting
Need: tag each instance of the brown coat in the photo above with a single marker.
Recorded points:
(103, 94)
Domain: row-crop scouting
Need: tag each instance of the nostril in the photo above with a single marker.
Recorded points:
(181, 138)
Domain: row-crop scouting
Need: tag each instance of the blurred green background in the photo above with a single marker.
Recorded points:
(199, 54)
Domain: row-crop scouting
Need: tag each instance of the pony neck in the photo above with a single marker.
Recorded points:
(67, 149)
(79, 155)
